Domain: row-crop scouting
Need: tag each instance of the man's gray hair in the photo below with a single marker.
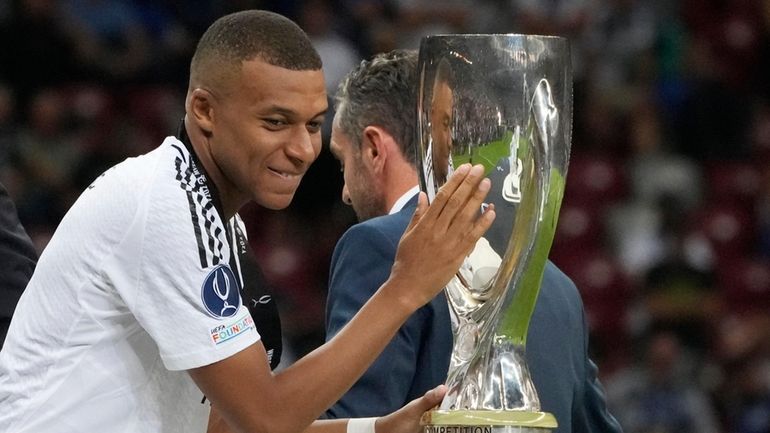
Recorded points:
(382, 92)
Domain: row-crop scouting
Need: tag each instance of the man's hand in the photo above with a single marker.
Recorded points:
(440, 236)
(407, 419)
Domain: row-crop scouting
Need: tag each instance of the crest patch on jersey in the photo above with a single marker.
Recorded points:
(221, 293)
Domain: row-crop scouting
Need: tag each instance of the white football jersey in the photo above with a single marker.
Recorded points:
(133, 289)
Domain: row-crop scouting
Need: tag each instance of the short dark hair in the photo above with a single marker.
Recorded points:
(383, 92)
(247, 35)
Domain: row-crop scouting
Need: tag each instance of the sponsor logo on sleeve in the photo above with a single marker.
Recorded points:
(223, 333)
(221, 293)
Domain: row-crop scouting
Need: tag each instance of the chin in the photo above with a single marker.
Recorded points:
(275, 202)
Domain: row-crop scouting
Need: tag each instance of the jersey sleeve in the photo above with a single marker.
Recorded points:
(181, 288)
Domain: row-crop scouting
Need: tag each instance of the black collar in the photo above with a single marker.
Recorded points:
(182, 136)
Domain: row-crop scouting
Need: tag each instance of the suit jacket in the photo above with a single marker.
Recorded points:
(417, 359)
(17, 261)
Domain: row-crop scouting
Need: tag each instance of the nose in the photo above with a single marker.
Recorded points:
(302, 148)
(346, 195)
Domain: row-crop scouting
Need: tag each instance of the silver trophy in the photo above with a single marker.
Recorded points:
(504, 101)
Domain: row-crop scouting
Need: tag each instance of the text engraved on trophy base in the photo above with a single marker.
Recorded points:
(457, 429)
(483, 429)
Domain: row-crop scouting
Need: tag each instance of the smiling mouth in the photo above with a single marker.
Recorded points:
(285, 175)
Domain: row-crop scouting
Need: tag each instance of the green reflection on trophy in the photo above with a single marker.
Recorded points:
(504, 101)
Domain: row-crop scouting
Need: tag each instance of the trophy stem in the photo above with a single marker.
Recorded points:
(515, 322)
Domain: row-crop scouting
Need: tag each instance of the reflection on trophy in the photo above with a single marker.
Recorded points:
(504, 101)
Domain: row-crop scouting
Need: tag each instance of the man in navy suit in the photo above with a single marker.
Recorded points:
(372, 136)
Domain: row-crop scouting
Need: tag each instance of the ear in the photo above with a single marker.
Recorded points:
(200, 108)
(375, 148)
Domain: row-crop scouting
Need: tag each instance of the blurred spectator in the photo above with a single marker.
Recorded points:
(659, 394)
(17, 259)
(7, 123)
(418, 18)
(369, 24)
(682, 297)
(654, 169)
(620, 42)
(337, 53)
(714, 115)
(112, 41)
(561, 17)
(743, 353)
(170, 41)
(665, 187)
(37, 48)
(730, 29)
(43, 157)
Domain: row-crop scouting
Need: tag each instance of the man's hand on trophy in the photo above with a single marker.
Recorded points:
(407, 419)
(441, 235)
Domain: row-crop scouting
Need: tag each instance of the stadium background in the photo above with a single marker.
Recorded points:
(665, 225)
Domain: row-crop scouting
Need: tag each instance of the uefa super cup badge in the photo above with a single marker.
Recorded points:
(504, 101)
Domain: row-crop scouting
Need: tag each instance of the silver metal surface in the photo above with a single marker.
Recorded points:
(504, 101)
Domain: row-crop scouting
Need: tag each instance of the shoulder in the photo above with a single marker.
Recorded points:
(385, 230)
(154, 172)
(368, 249)
(556, 284)
(159, 199)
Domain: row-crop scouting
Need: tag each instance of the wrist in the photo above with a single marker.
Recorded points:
(361, 425)
(401, 300)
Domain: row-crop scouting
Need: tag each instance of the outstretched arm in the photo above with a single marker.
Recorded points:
(252, 399)
(404, 420)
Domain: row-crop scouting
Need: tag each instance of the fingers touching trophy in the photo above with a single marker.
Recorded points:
(504, 101)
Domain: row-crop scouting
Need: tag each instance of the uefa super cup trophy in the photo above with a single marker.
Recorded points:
(504, 101)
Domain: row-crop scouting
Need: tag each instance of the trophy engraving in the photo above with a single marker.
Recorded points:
(504, 101)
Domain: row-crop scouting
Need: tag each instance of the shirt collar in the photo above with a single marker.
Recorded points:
(399, 204)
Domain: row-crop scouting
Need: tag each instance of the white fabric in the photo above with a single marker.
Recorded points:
(361, 425)
(115, 308)
(404, 199)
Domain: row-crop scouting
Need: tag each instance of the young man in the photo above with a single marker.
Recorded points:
(134, 320)
(372, 136)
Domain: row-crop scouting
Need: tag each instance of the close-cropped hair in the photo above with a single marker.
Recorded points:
(254, 34)
(382, 92)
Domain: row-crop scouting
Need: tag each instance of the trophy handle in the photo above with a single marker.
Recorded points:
(544, 127)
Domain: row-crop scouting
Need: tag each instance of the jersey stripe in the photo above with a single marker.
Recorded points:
(203, 215)
(184, 182)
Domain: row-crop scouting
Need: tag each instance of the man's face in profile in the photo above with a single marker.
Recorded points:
(441, 124)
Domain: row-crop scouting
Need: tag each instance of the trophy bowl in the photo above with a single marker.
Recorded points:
(504, 101)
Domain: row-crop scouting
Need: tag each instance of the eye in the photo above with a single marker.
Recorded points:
(314, 126)
(274, 123)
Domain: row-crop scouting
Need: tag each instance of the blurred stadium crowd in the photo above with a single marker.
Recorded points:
(665, 226)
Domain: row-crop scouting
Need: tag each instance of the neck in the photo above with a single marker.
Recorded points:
(228, 195)
(399, 180)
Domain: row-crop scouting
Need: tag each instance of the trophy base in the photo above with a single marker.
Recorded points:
(487, 421)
